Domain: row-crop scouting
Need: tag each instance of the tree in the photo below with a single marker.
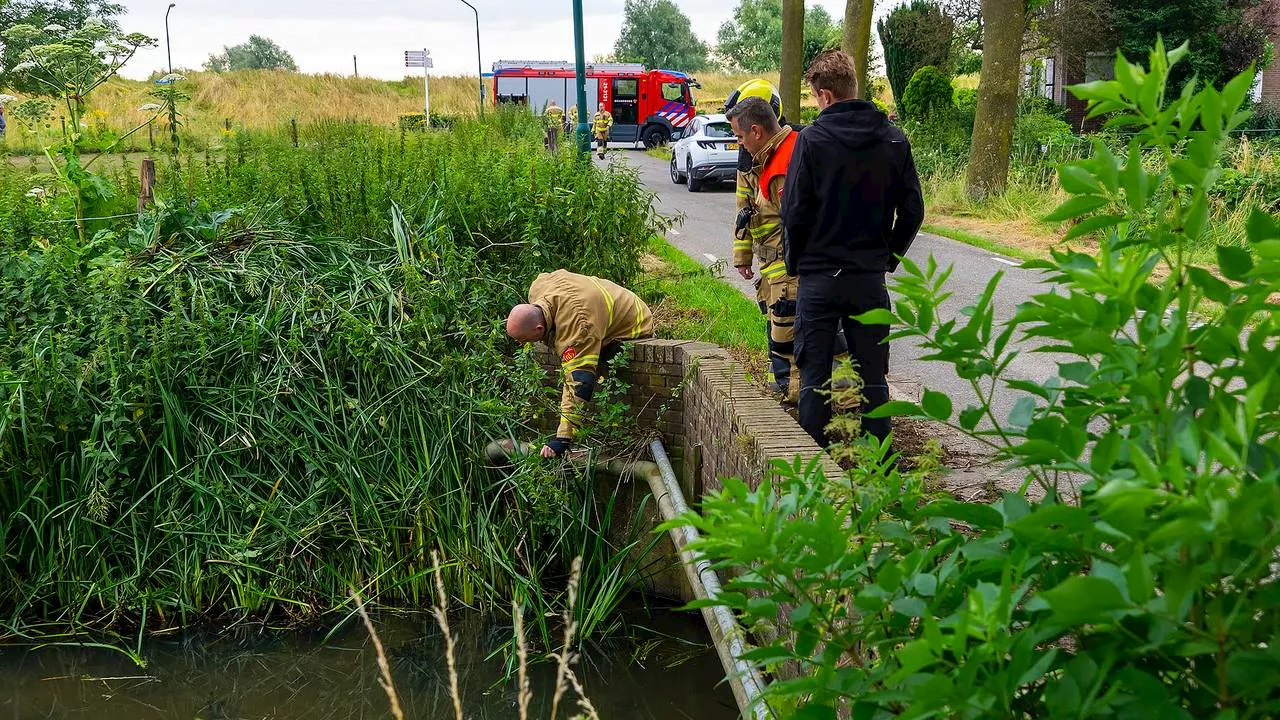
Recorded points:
(1225, 35)
(752, 40)
(915, 35)
(792, 54)
(257, 53)
(658, 34)
(1003, 22)
(69, 14)
(856, 40)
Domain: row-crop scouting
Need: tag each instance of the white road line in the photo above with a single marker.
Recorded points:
(1006, 262)
(710, 257)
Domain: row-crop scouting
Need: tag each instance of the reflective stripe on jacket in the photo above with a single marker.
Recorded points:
(584, 314)
(764, 230)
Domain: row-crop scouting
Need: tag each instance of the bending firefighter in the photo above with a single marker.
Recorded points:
(600, 126)
(581, 318)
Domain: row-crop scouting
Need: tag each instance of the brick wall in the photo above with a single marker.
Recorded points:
(1271, 75)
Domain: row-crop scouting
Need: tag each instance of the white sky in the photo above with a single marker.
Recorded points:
(322, 35)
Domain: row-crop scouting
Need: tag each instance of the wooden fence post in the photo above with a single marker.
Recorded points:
(147, 180)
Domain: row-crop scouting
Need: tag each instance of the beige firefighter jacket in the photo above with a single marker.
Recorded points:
(764, 231)
(583, 315)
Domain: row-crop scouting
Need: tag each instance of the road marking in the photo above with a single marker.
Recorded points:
(1006, 262)
(674, 232)
(710, 257)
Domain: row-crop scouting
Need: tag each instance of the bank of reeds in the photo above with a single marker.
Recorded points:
(277, 385)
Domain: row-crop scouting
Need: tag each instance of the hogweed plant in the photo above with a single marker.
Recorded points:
(69, 65)
(1140, 580)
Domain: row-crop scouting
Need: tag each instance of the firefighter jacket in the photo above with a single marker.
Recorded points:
(602, 122)
(554, 115)
(583, 315)
(760, 191)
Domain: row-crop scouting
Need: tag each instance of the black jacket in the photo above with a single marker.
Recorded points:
(852, 199)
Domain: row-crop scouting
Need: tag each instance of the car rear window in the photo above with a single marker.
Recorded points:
(718, 130)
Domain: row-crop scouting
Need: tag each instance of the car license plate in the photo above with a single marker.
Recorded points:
(731, 146)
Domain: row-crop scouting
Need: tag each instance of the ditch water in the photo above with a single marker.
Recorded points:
(663, 669)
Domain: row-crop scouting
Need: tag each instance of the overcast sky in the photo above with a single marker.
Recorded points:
(322, 35)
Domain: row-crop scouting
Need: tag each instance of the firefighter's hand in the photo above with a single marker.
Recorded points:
(745, 272)
(555, 447)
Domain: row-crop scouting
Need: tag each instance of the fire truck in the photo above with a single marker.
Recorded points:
(649, 106)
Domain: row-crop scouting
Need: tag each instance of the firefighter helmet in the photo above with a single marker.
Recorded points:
(759, 88)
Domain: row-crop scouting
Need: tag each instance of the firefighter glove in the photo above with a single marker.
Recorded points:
(558, 445)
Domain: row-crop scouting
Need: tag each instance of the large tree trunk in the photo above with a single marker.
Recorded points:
(856, 42)
(1003, 24)
(792, 57)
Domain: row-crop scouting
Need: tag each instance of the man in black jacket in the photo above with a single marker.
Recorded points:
(851, 206)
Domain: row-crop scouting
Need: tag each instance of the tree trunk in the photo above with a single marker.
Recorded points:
(792, 57)
(1003, 23)
(856, 42)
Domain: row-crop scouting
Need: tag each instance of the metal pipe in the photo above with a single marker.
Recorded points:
(745, 680)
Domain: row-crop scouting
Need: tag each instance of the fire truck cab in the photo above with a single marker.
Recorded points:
(649, 106)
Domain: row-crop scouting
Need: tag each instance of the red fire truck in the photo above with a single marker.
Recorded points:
(652, 106)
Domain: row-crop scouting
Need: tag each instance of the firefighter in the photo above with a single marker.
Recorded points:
(581, 318)
(571, 120)
(553, 115)
(758, 234)
(600, 126)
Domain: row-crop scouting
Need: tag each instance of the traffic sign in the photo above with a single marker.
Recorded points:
(418, 58)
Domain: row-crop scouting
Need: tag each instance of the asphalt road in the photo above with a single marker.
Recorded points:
(705, 235)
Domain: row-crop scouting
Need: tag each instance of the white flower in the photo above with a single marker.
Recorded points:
(172, 77)
(24, 66)
(53, 28)
(150, 107)
(6, 99)
(36, 192)
(101, 48)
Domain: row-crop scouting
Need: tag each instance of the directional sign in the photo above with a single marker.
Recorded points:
(417, 58)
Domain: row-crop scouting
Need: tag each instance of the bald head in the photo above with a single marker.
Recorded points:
(525, 323)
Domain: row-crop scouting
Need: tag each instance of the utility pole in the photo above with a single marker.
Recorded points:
(355, 66)
(580, 67)
(167, 50)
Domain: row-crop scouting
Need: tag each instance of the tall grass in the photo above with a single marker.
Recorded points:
(276, 386)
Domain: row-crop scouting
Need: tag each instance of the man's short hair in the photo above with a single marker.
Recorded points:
(754, 111)
(833, 70)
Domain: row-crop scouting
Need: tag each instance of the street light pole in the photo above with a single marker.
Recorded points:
(167, 50)
(580, 66)
(479, 65)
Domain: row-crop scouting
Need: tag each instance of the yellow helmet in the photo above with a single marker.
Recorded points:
(759, 88)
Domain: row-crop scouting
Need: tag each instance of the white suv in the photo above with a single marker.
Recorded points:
(707, 152)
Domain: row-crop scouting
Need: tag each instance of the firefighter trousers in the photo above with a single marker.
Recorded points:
(777, 300)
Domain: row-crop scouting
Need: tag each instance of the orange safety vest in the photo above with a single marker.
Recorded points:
(777, 164)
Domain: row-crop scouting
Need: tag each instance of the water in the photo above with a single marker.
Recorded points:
(664, 669)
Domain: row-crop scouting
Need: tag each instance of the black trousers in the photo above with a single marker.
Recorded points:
(825, 305)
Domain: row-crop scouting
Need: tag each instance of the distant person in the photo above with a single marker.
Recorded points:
(553, 115)
(580, 317)
(2, 123)
(571, 120)
(852, 205)
(600, 126)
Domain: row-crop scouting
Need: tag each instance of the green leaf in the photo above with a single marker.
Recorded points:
(1075, 207)
(977, 514)
(1078, 181)
(910, 606)
(970, 416)
(879, 316)
(1234, 262)
(937, 405)
(1092, 225)
(1262, 226)
(896, 408)
(1079, 600)
(1213, 288)
(1020, 416)
(926, 584)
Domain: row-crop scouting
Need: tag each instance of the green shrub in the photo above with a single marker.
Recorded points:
(1139, 579)
(928, 94)
(1038, 130)
(966, 102)
(412, 121)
